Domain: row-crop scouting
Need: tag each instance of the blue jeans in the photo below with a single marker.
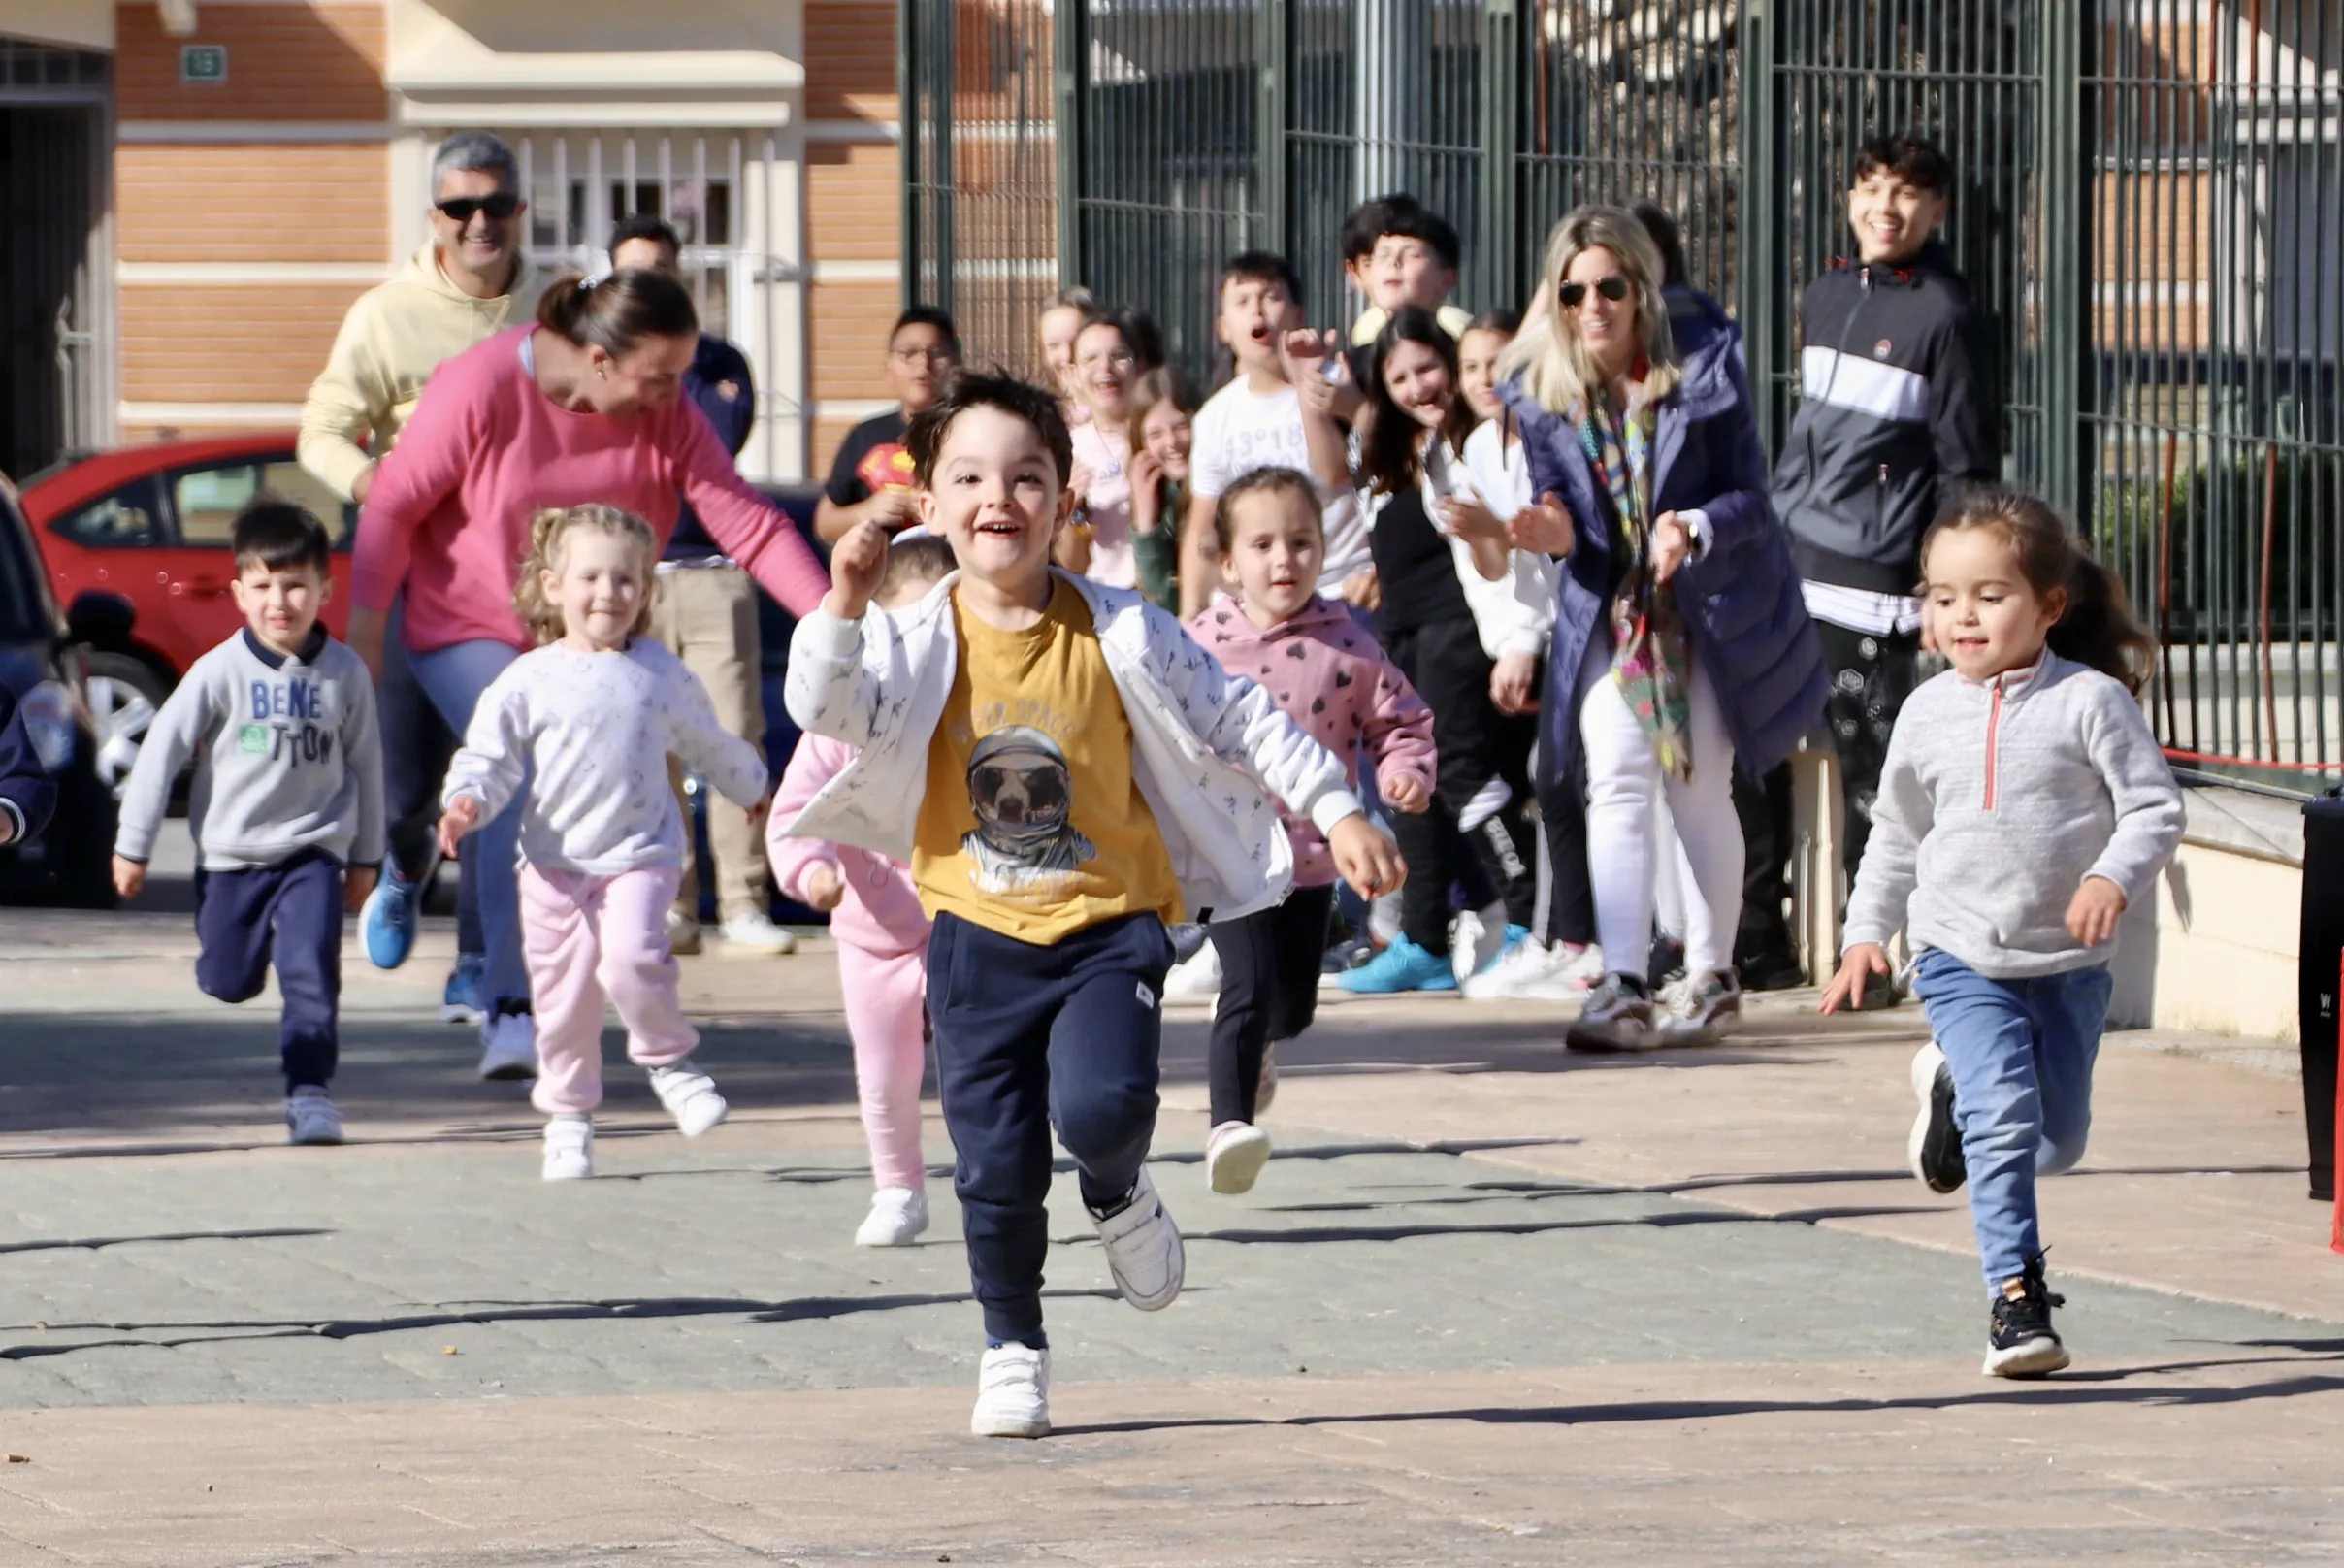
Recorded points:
(2021, 1052)
(453, 677)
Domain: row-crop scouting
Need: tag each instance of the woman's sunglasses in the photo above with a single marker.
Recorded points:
(1613, 288)
(499, 207)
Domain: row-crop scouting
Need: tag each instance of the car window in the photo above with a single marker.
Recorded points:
(123, 519)
(206, 500)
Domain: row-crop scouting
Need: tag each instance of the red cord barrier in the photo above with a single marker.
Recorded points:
(2178, 755)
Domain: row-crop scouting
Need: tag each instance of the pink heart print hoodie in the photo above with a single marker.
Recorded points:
(1331, 677)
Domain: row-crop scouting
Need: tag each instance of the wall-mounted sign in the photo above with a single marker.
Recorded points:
(202, 62)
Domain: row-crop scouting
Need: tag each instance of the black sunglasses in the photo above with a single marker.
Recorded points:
(499, 207)
(1613, 288)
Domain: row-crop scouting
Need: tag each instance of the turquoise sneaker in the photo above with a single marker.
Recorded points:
(1401, 967)
(387, 922)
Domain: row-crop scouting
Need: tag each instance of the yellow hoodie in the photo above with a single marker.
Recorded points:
(394, 336)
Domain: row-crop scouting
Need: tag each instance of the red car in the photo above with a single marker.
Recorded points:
(148, 525)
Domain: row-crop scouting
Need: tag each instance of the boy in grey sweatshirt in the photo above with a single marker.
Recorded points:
(286, 809)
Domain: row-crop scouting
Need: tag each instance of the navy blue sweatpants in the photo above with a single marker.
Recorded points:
(289, 914)
(1028, 1038)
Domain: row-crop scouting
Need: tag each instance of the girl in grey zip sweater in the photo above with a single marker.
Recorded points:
(2023, 808)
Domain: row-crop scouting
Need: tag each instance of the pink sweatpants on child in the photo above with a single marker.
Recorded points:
(886, 995)
(590, 939)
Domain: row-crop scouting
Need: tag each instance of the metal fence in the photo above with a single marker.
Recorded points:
(2150, 207)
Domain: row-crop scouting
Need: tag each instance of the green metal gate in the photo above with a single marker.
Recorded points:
(2150, 207)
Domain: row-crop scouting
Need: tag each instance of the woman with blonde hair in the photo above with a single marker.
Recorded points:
(1681, 637)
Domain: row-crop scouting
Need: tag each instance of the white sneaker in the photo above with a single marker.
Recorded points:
(1234, 1154)
(310, 1117)
(1195, 977)
(509, 1047)
(568, 1147)
(1013, 1393)
(1266, 1090)
(899, 1214)
(1577, 970)
(756, 937)
(683, 935)
(1700, 1011)
(1142, 1245)
(1520, 972)
(689, 1096)
(1470, 942)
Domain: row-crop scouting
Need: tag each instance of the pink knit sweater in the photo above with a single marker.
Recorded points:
(1333, 679)
(448, 519)
(881, 911)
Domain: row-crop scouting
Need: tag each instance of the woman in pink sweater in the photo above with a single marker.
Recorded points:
(582, 406)
(1330, 676)
(882, 935)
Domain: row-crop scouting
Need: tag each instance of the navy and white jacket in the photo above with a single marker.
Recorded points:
(27, 793)
(1898, 402)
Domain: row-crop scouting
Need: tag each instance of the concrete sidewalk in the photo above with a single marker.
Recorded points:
(1492, 1303)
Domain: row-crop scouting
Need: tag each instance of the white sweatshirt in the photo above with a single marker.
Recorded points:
(595, 730)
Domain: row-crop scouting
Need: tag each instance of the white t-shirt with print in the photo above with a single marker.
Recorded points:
(1239, 430)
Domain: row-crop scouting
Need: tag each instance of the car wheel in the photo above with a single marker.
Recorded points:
(124, 695)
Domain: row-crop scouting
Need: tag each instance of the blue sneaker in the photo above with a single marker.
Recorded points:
(387, 921)
(461, 1002)
(1401, 967)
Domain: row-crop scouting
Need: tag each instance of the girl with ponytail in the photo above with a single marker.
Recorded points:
(2024, 807)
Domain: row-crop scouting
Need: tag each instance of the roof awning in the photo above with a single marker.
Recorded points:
(71, 23)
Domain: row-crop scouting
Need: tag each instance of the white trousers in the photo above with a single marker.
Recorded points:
(1624, 783)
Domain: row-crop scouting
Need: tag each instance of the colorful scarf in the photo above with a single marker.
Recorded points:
(1652, 656)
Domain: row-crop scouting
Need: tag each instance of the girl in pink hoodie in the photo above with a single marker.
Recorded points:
(882, 935)
(1328, 674)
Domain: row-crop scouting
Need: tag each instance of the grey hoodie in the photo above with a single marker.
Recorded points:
(1997, 800)
(286, 758)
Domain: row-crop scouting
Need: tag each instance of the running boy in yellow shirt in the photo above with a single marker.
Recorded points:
(1066, 772)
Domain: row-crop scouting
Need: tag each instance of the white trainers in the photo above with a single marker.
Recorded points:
(899, 1214)
(1234, 1154)
(1013, 1393)
(509, 1047)
(310, 1117)
(689, 1096)
(1475, 939)
(1266, 1090)
(1143, 1249)
(1518, 974)
(1700, 1011)
(683, 935)
(1195, 977)
(568, 1147)
(756, 937)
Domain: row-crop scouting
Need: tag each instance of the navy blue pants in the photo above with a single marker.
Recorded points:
(289, 914)
(1028, 1038)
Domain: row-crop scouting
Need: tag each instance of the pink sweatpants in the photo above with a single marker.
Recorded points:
(886, 995)
(591, 939)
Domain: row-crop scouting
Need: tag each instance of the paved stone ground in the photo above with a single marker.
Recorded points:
(1488, 1305)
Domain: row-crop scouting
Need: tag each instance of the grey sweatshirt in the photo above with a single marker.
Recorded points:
(287, 758)
(1997, 800)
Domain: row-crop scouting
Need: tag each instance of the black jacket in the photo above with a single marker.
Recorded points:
(24, 784)
(1898, 404)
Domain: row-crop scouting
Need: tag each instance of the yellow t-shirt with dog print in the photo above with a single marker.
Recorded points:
(1033, 825)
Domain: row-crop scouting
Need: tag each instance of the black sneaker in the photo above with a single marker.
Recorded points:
(1771, 969)
(2020, 1341)
(1667, 961)
(1934, 1151)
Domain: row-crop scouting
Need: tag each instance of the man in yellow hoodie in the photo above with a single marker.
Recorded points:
(469, 283)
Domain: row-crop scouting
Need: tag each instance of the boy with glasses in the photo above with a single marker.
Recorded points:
(871, 477)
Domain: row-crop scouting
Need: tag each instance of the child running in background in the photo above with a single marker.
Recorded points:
(882, 934)
(2024, 807)
(1065, 771)
(286, 809)
(585, 724)
(1163, 415)
(1329, 676)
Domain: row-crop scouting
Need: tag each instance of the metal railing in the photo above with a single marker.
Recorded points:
(2149, 206)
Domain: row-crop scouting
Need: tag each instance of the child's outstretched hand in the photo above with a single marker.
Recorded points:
(1365, 856)
(2093, 913)
(1857, 964)
(356, 883)
(129, 877)
(825, 888)
(858, 564)
(1407, 793)
(463, 815)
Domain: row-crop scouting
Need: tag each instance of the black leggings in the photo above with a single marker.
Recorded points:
(1269, 991)
(1481, 750)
